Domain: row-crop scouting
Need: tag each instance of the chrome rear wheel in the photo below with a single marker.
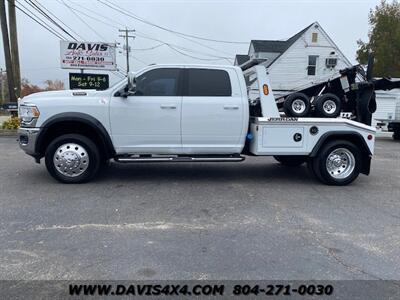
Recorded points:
(340, 163)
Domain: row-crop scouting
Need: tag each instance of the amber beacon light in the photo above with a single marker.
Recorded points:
(266, 89)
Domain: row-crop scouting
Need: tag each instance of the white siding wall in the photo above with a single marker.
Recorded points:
(270, 56)
(290, 70)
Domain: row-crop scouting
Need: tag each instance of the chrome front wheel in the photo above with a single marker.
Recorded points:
(71, 159)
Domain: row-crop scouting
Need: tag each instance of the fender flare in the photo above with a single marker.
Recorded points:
(77, 117)
(350, 136)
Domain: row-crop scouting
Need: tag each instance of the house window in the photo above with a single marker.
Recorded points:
(312, 65)
(314, 37)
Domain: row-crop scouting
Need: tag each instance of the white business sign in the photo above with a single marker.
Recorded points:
(87, 55)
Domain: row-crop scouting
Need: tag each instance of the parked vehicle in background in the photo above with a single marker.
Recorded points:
(392, 121)
(190, 113)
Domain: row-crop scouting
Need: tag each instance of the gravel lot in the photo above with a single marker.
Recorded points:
(250, 220)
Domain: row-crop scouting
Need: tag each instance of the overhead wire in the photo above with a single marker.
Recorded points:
(37, 20)
(140, 19)
(123, 25)
(44, 14)
(58, 19)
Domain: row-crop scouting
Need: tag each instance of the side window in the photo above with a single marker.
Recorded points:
(158, 82)
(208, 82)
(312, 65)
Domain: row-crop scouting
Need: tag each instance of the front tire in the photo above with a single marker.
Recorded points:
(72, 158)
(337, 163)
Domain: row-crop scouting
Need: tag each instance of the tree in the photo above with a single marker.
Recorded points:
(384, 40)
(51, 85)
(54, 85)
(28, 88)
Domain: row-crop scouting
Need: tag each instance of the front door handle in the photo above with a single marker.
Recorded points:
(231, 107)
(168, 106)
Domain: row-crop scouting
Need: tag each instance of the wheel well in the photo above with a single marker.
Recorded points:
(352, 137)
(78, 127)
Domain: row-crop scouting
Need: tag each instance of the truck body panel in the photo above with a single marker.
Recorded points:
(184, 113)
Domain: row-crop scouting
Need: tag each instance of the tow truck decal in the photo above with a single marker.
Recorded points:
(284, 119)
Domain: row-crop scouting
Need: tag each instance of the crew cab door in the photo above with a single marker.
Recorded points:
(212, 112)
(149, 121)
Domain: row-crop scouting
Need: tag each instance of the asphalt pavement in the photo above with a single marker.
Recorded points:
(249, 220)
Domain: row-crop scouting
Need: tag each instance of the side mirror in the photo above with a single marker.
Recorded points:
(125, 92)
(129, 89)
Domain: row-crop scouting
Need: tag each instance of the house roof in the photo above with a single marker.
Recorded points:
(277, 46)
(241, 58)
(269, 46)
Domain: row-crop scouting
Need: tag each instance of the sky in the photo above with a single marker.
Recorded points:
(234, 21)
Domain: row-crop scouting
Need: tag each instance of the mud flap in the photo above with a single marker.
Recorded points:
(366, 104)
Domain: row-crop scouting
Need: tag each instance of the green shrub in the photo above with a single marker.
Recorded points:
(12, 123)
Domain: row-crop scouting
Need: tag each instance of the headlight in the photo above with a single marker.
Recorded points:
(28, 114)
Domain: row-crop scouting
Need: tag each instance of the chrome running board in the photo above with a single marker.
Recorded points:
(129, 159)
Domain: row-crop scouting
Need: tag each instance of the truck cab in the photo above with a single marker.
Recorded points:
(186, 113)
(181, 110)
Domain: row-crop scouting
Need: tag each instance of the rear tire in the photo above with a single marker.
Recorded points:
(297, 105)
(72, 158)
(291, 161)
(337, 163)
(328, 106)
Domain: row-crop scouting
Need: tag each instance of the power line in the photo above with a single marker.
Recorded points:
(145, 36)
(186, 49)
(98, 14)
(81, 19)
(191, 56)
(150, 48)
(38, 9)
(44, 25)
(121, 10)
(89, 16)
(180, 35)
(52, 14)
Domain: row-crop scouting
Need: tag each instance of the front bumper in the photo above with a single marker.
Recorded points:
(27, 140)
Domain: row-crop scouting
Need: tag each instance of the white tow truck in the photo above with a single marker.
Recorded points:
(186, 113)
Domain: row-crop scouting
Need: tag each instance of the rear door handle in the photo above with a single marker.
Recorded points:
(231, 107)
(168, 106)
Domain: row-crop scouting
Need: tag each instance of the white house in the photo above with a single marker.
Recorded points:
(308, 56)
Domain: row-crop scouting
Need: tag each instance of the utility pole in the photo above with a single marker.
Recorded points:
(12, 22)
(126, 35)
(7, 53)
(2, 85)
